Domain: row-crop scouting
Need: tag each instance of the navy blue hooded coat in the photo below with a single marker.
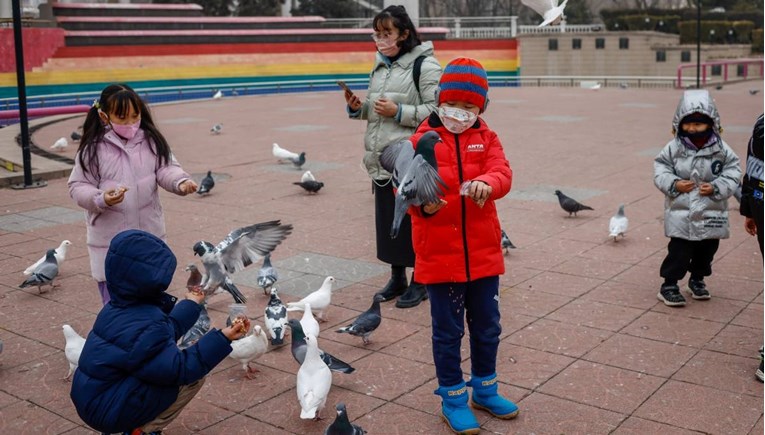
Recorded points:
(131, 368)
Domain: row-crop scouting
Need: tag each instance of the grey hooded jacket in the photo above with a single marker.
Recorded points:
(395, 81)
(691, 216)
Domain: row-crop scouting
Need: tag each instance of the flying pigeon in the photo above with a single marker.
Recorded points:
(198, 330)
(206, 185)
(284, 154)
(314, 379)
(276, 318)
(60, 144)
(238, 250)
(75, 135)
(195, 283)
(415, 175)
(249, 348)
(72, 349)
(44, 274)
(218, 94)
(569, 204)
(307, 176)
(319, 299)
(216, 129)
(505, 242)
(618, 224)
(267, 275)
(310, 186)
(367, 321)
(60, 254)
(298, 349)
(550, 10)
(309, 323)
(343, 426)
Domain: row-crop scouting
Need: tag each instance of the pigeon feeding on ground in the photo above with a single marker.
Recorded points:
(60, 144)
(319, 299)
(618, 224)
(341, 425)
(206, 185)
(569, 204)
(276, 318)
(283, 154)
(218, 94)
(310, 186)
(59, 253)
(550, 10)
(72, 349)
(753, 91)
(216, 129)
(194, 283)
(505, 242)
(307, 176)
(309, 323)
(367, 322)
(415, 175)
(44, 273)
(298, 348)
(267, 275)
(75, 135)
(248, 349)
(198, 330)
(314, 379)
(238, 250)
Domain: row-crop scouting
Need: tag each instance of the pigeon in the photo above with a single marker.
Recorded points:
(298, 349)
(198, 330)
(618, 224)
(216, 129)
(550, 10)
(206, 185)
(249, 348)
(314, 379)
(72, 349)
(595, 87)
(415, 175)
(60, 254)
(284, 154)
(44, 274)
(276, 318)
(367, 322)
(719, 87)
(569, 204)
(309, 323)
(623, 85)
(235, 93)
(307, 176)
(505, 242)
(343, 426)
(267, 275)
(238, 250)
(60, 144)
(195, 283)
(753, 91)
(218, 94)
(75, 135)
(310, 186)
(319, 299)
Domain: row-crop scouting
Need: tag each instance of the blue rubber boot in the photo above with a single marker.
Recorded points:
(455, 410)
(485, 397)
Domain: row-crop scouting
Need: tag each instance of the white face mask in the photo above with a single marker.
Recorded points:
(456, 120)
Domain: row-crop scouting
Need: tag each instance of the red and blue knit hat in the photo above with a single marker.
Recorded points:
(464, 79)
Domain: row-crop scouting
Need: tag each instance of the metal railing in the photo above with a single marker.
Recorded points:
(718, 72)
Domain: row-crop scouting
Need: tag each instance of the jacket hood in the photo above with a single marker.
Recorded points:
(697, 100)
(139, 268)
(424, 49)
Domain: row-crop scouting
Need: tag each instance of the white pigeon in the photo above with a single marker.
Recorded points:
(283, 154)
(319, 299)
(217, 95)
(309, 323)
(216, 129)
(618, 224)
(595, 87)
(307, 176)
(314, 379)
(73, 349)
(60, 144)
(550, 10)
(60, 257)
(248, 349)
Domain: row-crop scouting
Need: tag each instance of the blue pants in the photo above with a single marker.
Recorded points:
(449, 303)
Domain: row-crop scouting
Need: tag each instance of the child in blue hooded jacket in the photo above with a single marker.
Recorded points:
(132, 377)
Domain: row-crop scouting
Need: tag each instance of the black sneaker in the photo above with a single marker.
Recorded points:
(670, 295)
(413, 295)
(698, 290)
(759, 373)
(394, 288)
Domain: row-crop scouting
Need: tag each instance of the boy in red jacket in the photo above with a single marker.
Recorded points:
(457, 245)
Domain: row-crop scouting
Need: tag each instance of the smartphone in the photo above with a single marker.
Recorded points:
(345, 87)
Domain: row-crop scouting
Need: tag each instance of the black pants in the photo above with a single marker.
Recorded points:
(694, 256)
(756, 206)
(398, 251)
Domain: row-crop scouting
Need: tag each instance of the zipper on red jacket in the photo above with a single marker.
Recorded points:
(464, 211)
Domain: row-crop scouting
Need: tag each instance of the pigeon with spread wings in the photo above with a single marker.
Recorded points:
(550, 10)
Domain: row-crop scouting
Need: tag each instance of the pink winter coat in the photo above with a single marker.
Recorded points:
(132, 165)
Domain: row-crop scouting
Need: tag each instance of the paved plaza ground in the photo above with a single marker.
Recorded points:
(586, 346)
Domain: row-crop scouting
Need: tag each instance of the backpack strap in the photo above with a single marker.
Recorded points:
(416, 69)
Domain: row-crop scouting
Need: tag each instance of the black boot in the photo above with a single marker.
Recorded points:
(396, 284)
(413, 295)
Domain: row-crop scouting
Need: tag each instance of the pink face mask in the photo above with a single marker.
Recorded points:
(387, 46)
(126, 131)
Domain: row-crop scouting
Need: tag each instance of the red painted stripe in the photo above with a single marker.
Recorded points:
(232, 32)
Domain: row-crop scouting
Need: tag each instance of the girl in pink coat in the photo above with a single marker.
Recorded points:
(121, 161)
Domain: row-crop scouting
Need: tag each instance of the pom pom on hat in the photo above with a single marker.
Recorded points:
(464, 79)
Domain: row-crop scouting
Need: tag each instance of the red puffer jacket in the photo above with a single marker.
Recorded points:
(461, 242)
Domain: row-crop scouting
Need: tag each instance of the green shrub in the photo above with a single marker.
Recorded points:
(757, 41)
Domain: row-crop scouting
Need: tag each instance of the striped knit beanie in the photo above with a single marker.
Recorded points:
(464, 79)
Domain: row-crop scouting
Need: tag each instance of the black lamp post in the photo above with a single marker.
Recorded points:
(698, 44)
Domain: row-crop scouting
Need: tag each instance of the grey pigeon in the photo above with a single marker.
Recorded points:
(276, 318)
(569, 204)
(44, 274)
(198, 330)
(367, 321)
(298, 349)
(216, 129)
(267, 275)
(195, 283)
(618, 224)
(60, 257)
(753, 91)
(299, 161)
(505, 242)
(238, 250)
(75, 135)
(415, 175)
(343, 426)
(206, 185)
(310, 186)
